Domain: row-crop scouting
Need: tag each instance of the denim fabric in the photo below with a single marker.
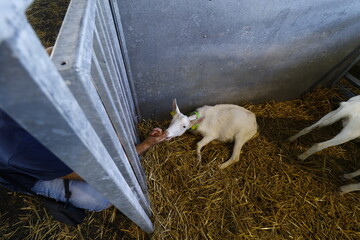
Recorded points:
(24, 158)
(82, 194)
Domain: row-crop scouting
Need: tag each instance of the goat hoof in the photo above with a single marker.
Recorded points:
(342, 190)
(291, 139)
(302, 157)
(343, 178)
(223, 166)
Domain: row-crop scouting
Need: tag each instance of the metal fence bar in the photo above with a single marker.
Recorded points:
(117, 114)
(104, 90)
(125, 65)
(120, 155)
(16, 6)
(115, 71)
(108, 69)
(110, 32)
(125, 130)
(340, 69)
(80, 19)
(353, 80)
(37, 97)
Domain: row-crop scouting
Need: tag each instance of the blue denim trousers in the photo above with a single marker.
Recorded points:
(82, 194)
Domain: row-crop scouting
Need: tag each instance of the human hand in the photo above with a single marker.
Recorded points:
(156, 136)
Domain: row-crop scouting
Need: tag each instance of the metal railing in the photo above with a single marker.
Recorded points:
(80, 105)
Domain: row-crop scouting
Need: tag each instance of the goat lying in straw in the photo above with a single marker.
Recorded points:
(350, 113)
(223, 122)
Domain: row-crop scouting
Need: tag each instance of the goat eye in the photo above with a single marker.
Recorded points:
(184, 126)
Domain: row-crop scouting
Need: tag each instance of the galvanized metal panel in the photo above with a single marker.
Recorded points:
(120, 86)
(105, 91)
(112, 79)
(113, 44)
(78, 30)
(15, 7)
(209, 52)
(37, 97)
(342, 68)
(108, 36)
(125, 64)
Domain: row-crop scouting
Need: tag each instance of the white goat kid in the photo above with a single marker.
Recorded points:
(223, 122)
(350, 113)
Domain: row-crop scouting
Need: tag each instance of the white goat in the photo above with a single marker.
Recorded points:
(350, 113)
(223, 122)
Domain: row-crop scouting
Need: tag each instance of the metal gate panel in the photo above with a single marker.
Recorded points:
(108, 32)
(56, 110)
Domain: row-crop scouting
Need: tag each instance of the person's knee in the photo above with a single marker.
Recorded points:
(86, 197)
(82, 194)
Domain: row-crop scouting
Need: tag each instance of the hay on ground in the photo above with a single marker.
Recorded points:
(46, 17)
(269, 193)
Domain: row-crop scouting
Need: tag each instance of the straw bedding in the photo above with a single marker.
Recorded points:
(46, 17)
(268, 194)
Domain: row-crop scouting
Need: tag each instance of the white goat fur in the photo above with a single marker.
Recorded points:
(350, 113)
(223, 122)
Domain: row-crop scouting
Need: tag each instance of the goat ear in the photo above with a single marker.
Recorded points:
(196, 121)
(175, 107)
(192, 118)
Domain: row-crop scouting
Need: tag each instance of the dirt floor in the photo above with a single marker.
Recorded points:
(269, 194)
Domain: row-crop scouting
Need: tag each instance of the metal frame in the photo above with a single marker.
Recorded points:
(353, 80)
(65, 112)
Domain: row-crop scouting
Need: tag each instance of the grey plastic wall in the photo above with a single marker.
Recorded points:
(217, 51)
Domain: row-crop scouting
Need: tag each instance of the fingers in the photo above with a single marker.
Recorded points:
(156, 135)
(162, 136)
(49, 50)
(156, 132)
